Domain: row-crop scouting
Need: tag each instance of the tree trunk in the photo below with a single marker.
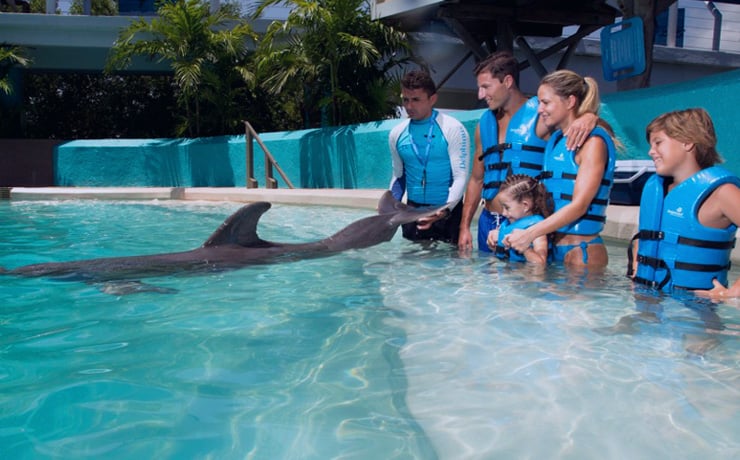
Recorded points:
(647, 10)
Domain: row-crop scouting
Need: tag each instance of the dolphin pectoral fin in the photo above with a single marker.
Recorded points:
(404, 214)
(241, 227)
(132, 287)
(410, 214)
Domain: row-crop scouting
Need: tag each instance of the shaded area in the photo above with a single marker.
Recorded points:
(328, 158)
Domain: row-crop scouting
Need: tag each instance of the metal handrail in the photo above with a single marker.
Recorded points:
(270, 182)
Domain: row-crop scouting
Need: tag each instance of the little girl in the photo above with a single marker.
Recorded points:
(525, 202)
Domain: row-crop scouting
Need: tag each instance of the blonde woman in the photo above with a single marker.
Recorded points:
(580, 180)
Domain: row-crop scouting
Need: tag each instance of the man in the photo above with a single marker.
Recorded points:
(509, 139)
(429, 151)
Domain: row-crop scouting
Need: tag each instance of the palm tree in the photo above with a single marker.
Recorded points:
(334, 58)
(9, 57)
(97, 7)
(198, 44)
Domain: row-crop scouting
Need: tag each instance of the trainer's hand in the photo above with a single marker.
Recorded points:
(425, 223)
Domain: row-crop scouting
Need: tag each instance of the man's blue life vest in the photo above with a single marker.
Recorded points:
(521, 153)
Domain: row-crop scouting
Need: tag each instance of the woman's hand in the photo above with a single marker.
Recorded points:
(519, 239)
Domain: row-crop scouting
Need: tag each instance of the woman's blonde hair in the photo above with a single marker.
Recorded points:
(692, 126)
(567, 83)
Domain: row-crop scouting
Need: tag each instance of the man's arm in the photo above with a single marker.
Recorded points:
(577, 132)
(458, 148)
(398, 179)
(472, 195)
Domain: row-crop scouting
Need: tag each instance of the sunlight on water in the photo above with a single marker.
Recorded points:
(397, 351)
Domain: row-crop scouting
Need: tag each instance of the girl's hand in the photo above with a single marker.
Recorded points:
(492, 240)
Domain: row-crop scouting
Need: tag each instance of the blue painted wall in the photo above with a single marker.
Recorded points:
(357, 156)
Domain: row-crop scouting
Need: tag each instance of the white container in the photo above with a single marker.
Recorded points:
(629, 179)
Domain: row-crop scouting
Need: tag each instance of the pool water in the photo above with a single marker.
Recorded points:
(399, 351)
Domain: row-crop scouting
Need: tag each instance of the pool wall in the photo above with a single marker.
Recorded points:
(356, 156)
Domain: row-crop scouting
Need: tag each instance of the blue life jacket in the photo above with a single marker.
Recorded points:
(506, 228)
(427, 169)
(559, 173)
(674, 249)
(522, 153)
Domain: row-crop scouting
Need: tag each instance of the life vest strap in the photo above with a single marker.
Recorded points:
(652, 262)
(701, 267)
(649, 235)
(498, 148)
(498, 166)
(569, 197)
(571, 176)
(706, 243)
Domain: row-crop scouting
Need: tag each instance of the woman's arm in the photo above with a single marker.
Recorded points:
(592, 160)
(537, 254)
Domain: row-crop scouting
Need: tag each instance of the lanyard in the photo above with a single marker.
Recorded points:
(428, 148)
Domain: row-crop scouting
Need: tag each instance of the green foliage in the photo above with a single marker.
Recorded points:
(10, 56)
(97, 7)
(331, 56)
(328, 64)
(207, 52)
(89, 106)
(39, 6)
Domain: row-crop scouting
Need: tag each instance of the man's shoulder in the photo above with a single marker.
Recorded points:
(400, 126)
(449, 120)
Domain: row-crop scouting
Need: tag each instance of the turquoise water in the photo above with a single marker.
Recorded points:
(397, 351)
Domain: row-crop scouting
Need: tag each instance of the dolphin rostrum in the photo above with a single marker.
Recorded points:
(235, 244)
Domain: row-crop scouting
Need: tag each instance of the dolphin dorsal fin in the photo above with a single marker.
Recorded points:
(241, 227)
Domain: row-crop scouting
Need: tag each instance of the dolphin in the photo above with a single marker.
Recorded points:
(235, 244)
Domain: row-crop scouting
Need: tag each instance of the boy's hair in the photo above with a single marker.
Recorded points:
(419, 79)
(522, 186)
(692, 126)
(499, 65)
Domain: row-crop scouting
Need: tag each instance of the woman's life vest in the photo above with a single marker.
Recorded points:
(675, 249)
(506, 228)
(521, 153)
(559, 174)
